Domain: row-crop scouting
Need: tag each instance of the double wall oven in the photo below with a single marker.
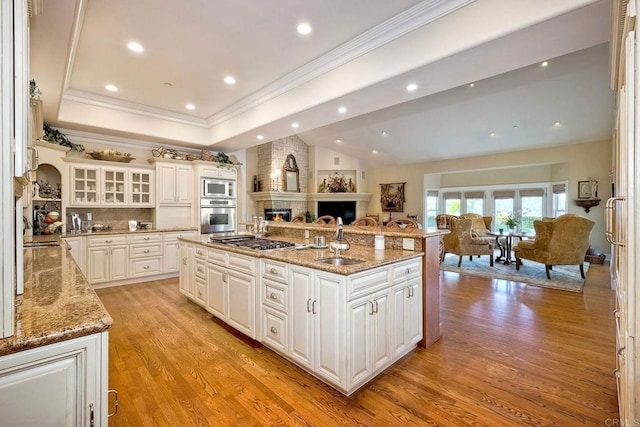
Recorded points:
(217, 205)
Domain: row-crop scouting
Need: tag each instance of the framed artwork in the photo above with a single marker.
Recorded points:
(585, 190)
(392, 197)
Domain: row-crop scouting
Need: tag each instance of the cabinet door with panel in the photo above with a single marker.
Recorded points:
(301, 315)
(241, 294)
(329, 322)
(84, 185)
(77, 250)
(186, 267)
(141, 188)
(175, 184)
(58, 384)
(171, 250)
(114, 186)
(217, 291)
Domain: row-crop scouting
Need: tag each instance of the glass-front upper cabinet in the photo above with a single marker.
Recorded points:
(114, 186)
(84, 186)
(141, 188)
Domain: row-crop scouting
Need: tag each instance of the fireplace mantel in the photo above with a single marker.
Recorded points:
(309, 197)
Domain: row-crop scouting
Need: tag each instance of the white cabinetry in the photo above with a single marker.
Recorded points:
(231, 289)
(92, 183)
(107, 258)
(145, 252)
(407, 306)
(171, 250)
(175, 183)
(141, 188)
(62, 384)
(77, 249)
(369, 336)
(187, 278)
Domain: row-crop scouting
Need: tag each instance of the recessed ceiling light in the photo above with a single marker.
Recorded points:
(295, 125)
(342, 110)
(515, 126)
(135, 47)
(111, 88)
(304, 28)
(190, 107)
(168, 84)
(411, 87)
(260, 137)
(384, 133)
(492, 134)
(229, 80)
(374, 151)
(544, 64)
(556, 123)
(472, 84)
(338, 141)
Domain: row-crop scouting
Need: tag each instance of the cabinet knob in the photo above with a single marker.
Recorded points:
(108, 240)
(146, 251)
(273, 330)
(146, 238)
(408, 271)
(273, 270)
(621, 350)
(616, 313)
(184, 261)
(616, 373)
(146, 267)
(273, 296)
(200, 270)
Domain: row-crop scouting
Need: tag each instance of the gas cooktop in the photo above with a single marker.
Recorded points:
(251, 242)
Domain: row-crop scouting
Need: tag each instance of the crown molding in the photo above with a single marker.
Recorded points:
(415, 17)
(78, 136)
(131, 107)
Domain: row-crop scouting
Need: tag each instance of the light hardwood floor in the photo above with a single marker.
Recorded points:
(510, 355)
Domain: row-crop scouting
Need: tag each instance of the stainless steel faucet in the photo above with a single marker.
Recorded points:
(341, 244)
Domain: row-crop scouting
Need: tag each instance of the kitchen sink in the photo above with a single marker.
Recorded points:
(337, 261)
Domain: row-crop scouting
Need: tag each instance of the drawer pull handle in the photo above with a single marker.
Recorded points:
(273, 296)
(616, 313)
(115, 403)
(273, 330)
(200, 270)
(616, 373)
(184, 261)
(146, 238)
(273, 270)
(146, 251)
(408, 271)
(108, 240)
(309, 305)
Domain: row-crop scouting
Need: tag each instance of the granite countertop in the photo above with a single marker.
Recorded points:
(354, 229)
(58, 303)
(53, 237)
(308, 257)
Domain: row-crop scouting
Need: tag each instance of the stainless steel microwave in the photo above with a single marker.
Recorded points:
(218, 188)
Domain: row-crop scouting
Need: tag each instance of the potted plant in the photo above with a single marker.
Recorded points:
(510, 221)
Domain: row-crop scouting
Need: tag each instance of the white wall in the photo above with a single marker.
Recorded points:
(572, 163)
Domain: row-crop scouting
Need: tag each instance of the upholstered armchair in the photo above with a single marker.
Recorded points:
(460, 242)
(559, 241)
(480, 226)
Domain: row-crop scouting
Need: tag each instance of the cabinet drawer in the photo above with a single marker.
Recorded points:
(145, 238)
(274, 330)
(138, 251)
(106, 240)
(407, 270)
(201, 252)
(367, 282)
(242, 263)
(201, 268)
(275, 295)
(274, 270)
(146, 266)
(217, 256)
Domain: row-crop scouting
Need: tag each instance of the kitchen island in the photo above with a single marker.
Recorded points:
(54, 369)
(342, 323)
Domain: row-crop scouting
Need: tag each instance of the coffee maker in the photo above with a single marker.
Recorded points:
(76, 223)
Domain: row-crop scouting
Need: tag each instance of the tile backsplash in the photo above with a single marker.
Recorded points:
(118, 218)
